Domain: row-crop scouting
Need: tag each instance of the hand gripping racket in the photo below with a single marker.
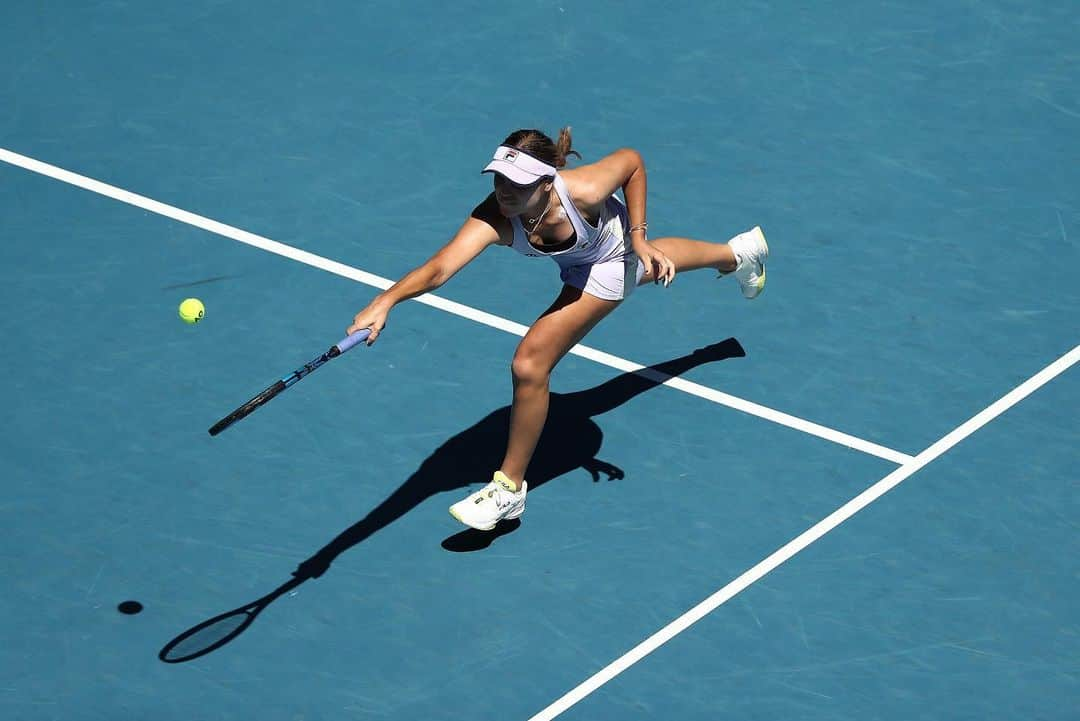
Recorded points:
(264, 397)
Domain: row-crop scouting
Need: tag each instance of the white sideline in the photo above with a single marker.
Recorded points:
(316, 261)
(815, 532)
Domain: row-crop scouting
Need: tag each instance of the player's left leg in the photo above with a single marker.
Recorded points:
(744, 255)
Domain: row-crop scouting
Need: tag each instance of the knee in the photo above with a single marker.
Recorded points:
(529, 368)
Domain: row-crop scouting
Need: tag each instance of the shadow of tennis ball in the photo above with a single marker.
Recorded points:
(129, 608)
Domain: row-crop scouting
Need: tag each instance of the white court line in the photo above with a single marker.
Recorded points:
(818, 530)
(302, 256)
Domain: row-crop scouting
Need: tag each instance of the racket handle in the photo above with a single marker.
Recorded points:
(349, 341)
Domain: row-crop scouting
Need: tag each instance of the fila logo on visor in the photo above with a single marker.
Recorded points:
(510, 155)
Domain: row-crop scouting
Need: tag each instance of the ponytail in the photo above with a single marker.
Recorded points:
(540, 146)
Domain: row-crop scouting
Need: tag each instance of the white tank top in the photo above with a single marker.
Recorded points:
(605, 241)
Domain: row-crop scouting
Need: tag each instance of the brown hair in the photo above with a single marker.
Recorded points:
(540, 146)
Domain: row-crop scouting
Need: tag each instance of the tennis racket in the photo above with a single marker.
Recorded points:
(264, 397)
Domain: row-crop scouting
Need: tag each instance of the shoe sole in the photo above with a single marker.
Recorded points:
(765, 244)
(509, 517)
(478, 528)
(761, 234)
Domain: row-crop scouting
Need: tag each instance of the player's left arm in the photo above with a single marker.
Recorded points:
(591, 185)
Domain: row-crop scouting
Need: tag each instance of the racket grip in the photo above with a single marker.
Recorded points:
(349, 341)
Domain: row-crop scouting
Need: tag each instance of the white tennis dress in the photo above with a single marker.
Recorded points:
(601, 262)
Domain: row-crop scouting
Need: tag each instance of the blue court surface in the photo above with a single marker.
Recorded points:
(916, 167)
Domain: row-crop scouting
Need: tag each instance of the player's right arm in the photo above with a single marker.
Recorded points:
(485, 227)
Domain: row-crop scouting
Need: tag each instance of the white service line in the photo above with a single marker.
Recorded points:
(818, 530)
(317, 261)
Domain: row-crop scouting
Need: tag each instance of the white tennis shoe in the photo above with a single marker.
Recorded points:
(751, 252)
(494, 502)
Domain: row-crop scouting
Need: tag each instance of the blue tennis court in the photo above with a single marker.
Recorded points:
(853, 498)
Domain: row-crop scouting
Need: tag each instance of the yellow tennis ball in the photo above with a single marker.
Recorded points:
(192, 310)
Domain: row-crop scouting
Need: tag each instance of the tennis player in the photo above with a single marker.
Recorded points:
(601, 246)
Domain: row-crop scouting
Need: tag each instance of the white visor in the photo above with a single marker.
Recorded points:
(518, 167)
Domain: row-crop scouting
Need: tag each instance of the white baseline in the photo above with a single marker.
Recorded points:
(316, 261)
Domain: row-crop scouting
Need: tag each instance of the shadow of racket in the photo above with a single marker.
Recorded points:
(215, 632)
